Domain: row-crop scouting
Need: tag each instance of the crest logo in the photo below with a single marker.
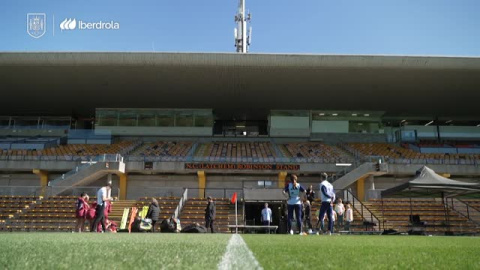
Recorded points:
(36, 24)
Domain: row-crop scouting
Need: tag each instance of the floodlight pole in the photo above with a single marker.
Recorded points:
(236, 217)
(242, 40)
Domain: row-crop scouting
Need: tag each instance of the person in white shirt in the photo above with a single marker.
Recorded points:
(103, 196)
(340, 210)
(266, 216)
(348, 217)
(327, 195)
(294, 203)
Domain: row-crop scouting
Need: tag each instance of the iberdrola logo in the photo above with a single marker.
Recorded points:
(68, 24)
(72, 24)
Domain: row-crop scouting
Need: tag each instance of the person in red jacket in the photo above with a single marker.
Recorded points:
(82, 208)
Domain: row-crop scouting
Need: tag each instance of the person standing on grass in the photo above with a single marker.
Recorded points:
(294, 203)
(210, 213)
(327, 195)
(310, 194)
(334, 218)
(266, 216)
(340, 210)
(103, 197)
(348, 217)
(307, 211)
(81, 211)
(153, 212)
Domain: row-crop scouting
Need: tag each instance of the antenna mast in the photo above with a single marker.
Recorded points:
(242, 40)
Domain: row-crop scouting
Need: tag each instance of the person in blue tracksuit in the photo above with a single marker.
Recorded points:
(294, 203)
(327, 194)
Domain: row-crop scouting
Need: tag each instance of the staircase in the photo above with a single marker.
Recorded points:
(466, 208)
(88, 172)
(364, 170)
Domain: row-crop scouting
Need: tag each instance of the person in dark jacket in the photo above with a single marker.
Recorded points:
(210, 212)
(153, 212)
(310, 194)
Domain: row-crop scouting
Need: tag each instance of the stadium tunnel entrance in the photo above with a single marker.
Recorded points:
(253, 214)
(255, 200)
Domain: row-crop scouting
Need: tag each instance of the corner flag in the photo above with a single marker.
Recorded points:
(234, 197)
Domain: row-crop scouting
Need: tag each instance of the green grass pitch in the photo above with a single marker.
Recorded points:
(205, 251)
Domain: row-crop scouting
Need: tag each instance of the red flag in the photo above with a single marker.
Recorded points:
(234, 197)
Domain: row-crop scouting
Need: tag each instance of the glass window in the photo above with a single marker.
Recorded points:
(146, 119)
(203, 121)
(106, 118)
(165, 119)
(128, 118)
(184, 120)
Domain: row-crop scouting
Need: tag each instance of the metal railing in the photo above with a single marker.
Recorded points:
(155, 191)
(218, 193)
(468, 209)
(364, 211)
(100, 158)
(51, 191)
(181, 203)
(190, 158)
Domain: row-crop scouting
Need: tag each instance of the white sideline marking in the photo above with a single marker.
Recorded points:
(238, 255)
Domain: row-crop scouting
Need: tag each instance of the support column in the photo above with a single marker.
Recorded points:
(123, 186)
(43, 180)
(370, 186)
(370, 182)
(202, 183)
(281, 179)
(361, 188)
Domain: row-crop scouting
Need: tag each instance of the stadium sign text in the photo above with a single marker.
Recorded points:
(72, 24)
(241, 166)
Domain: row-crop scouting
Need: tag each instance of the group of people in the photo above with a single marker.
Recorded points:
(302, 208)
(97, 212)
(329, 210)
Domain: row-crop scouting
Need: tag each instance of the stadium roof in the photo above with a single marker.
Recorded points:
(237, 86)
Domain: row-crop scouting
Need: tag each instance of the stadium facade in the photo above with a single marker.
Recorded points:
(218, 123)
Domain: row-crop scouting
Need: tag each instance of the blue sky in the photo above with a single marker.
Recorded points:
(398, 27)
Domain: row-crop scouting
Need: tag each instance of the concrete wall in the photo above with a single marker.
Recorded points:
(446, 132)
(290, 126)
(159, 131)
(19, 179)
(329, 126)
(349, 137)
(159, 185)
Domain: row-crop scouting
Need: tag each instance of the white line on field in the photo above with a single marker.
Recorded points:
(238, 256)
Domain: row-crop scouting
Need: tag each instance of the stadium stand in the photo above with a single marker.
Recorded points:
(167, 207)
(56, 213)
(435, 218)
(396, 154)
(314, 152)
(194, 212)
(72, 150)
(237, 151)
(163, 150)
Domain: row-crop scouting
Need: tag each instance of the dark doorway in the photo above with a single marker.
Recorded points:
(253, 213)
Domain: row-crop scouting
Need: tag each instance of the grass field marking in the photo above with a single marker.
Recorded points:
(238, 255)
